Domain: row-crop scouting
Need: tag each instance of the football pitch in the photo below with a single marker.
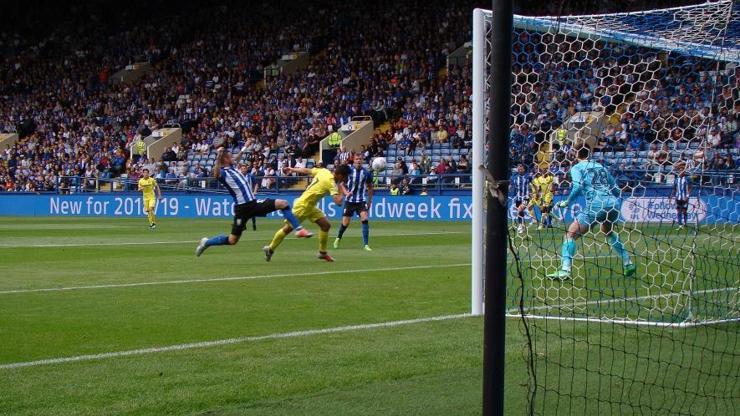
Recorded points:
(103, 316)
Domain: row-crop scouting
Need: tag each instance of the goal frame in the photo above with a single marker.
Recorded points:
(481, 84)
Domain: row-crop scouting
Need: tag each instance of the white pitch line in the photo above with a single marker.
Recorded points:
(130, 243)
(144, 243)
(617, 300)
(686, 324)
(228, 341)
(228, 279)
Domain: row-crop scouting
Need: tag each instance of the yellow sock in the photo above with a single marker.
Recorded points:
(323, 240)
(150, 215)
(279, 236)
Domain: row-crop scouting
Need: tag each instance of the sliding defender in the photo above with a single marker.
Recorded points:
(246, 205)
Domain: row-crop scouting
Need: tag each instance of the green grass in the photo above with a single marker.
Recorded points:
(417, 270)
(681, 274)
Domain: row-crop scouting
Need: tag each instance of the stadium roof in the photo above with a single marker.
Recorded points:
(709, 30)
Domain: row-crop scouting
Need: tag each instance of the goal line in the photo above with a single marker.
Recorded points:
(516, 313)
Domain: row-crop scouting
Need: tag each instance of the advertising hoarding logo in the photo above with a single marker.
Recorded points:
(660, 210)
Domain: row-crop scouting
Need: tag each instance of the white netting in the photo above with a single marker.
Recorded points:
(655, 94)
(647, 110)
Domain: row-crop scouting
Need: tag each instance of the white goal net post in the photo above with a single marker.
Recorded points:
(551, 47)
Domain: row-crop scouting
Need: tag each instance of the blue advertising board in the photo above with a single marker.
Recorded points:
(707, 208)
(217, 206)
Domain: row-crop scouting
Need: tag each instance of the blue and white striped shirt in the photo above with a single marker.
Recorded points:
(357, 184)
(520, 184)
(681, 188)
(238, 185)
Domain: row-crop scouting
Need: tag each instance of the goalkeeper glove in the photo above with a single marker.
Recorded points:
(563, 204)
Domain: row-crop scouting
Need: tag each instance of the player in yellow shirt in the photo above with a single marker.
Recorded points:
(534, 200)
(542, 185)
(304, 208)
(148, 186)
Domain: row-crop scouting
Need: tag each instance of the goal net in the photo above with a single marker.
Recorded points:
(655, 95)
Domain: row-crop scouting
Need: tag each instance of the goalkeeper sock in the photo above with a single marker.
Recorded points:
(342, 229)
(218, 240)
(617, 246)
(277, 239)
(567, 252)
(365, 232)
(323, 240)
(292, 220)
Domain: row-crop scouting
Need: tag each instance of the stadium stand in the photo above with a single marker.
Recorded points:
(385, 59)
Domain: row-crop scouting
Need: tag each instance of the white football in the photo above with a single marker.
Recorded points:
(378, 164)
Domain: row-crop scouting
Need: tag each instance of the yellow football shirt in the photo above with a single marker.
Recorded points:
(147, 187)
(321, 185)
(544, 186)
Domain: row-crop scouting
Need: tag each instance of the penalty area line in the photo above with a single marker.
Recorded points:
(229, 341)
(146, 243)
(228, 279)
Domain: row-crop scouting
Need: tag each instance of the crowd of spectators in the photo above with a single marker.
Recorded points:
(437, 116)
(649, 100)
(660, 110)
(383, 59)
(60, 98)
(682, 106)
(204, 80)
(679, 108)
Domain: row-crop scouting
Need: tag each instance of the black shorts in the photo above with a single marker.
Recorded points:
(350, 208)
(244, 212)
(545, 209)
(519, 202)
(682, 203)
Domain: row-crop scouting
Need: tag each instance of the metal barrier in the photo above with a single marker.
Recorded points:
(263, 184)
(429, 183)
(79, 184)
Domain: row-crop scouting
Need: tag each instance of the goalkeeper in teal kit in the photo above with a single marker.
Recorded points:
(600, 190)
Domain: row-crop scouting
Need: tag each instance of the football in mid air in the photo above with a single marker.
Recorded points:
(378, 164)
